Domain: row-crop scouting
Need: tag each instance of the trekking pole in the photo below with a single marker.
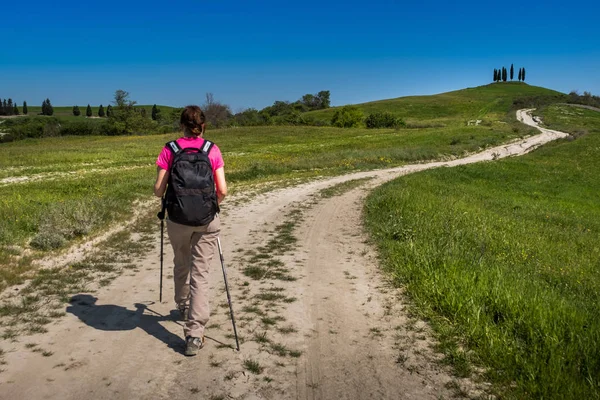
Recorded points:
(161, 216)
(237, 343)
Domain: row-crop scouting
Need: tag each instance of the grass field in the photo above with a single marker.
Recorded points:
(489, 103)
(504, 258)
(84, 183)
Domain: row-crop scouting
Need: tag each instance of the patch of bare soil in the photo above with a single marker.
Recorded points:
(316, 318)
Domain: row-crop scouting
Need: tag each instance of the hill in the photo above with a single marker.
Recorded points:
(490, 102)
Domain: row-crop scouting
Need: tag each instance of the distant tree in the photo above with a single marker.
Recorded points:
(15, 109)
(523, 74)
(143, 112)
(310, 101)
(512, 72)
(347, 117)
(76, 111)
(88, 111)
(109, 111)
(495, 75)
(4, 105)
(101, 111)
(519, 75)
(47, 108)
(504, 74)
(10, 109)
(155, 112)
(324, 101)
(25, 111)
(122, 99)
(217, 114)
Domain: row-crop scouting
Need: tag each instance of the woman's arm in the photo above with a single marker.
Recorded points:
(221, 184)
(162, 177)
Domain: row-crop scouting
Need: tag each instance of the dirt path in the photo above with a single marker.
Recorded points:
(316, 318)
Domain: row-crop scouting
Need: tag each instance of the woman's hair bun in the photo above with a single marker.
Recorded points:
(193, 118)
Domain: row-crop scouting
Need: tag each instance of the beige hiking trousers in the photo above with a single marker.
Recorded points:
(193, 249)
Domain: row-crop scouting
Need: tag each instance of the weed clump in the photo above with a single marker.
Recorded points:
(68, 220)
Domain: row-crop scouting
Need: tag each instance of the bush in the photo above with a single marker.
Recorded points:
(383, 120)
(69, 220)
(347, 117)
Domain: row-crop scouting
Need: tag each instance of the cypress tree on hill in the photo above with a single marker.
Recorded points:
(154, 113)
(47, 108)
(512, 72)
(88, 111)
(523, 74)
(15, 109)
(109, 111)
(76, 111)
(495, 75)
(9, 107)
(504, 74)
(101, 111)
(25, 111)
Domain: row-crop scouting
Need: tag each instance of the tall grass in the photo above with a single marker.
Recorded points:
(504, 258)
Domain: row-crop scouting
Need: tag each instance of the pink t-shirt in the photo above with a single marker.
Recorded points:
(165, 158)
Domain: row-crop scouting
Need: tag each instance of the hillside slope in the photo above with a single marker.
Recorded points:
(489, 102)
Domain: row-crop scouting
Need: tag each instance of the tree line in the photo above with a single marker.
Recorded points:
(8, 107)
(502, 74)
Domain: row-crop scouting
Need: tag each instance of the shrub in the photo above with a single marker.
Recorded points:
(69, 220)
(383, 120)
(347, 117)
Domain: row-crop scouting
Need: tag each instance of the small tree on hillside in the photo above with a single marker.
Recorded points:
(109, 111)
(15, 109)
(324, 99)
(523, 74)
(155, 112)
(101, 111)
(76, 111)
(88, 111)
(495, 75)
(10, 108)
(217, 114)
(347, 117)
(512, 72)
(25, 111)
(47, 108)
(504, 74)
(143, 112)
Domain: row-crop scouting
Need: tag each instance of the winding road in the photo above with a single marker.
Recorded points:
(340, 332)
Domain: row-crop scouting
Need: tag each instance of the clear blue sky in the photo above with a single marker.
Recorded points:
(251, 53)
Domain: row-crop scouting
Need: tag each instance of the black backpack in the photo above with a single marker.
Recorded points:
(191, 197)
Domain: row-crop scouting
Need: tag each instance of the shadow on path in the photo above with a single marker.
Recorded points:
(117, 318)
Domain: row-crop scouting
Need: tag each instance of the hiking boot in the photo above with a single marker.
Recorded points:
(192, 345)
(184, 311)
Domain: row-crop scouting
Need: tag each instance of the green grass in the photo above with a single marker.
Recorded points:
(489, 103)
(72, 177)
(253, 366)
(504, 258)
(341, 188)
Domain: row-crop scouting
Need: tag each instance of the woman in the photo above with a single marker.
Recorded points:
(193, 245)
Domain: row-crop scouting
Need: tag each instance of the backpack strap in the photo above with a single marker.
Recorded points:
(207, 146)
(173, 146)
